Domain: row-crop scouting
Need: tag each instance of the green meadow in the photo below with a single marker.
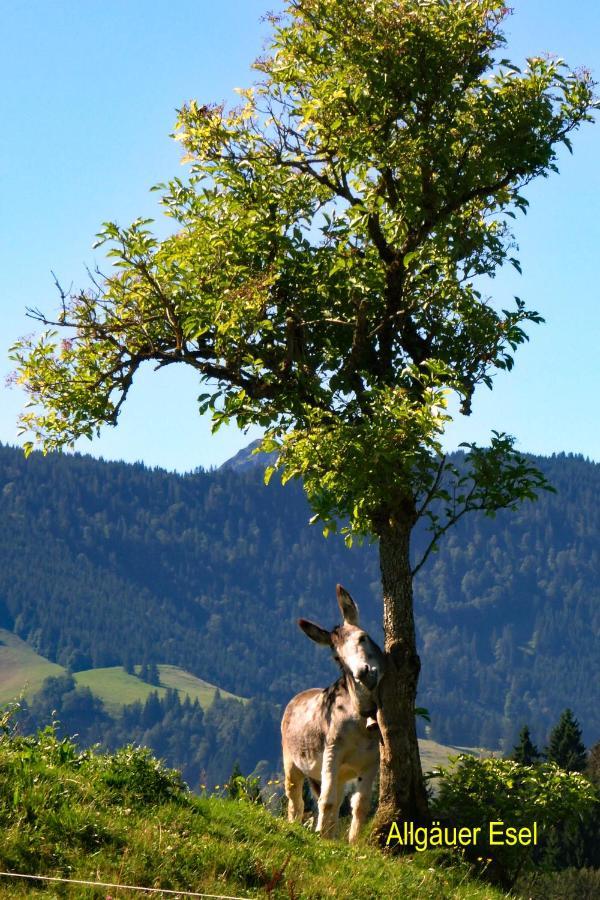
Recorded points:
(123, 819)
(22, 673)
(116, 688)
(22, 670)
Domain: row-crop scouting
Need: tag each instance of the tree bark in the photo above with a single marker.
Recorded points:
(402, 794)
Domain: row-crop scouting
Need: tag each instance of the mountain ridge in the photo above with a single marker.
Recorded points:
(105, 564)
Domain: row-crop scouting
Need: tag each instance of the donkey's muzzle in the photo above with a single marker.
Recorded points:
(368, 676)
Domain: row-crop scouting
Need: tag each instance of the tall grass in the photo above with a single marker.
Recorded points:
(124, 818)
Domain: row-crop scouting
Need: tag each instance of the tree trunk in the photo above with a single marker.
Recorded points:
(402, 795)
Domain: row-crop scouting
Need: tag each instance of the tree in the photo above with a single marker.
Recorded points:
(152, 674)
(565, 747)
(525, 752)
(326, 280)
(128, 666)
(593, 765)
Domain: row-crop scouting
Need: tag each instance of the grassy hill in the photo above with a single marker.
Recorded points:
(22, 670)
(434, 754)
(116, 688)
(124, 819)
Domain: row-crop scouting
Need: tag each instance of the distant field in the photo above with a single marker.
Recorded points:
(22, 670)
(434, 754)
(115, 687)
(185, 683)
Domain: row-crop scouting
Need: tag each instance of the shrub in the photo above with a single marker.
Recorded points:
(475, 792)
(570, 884)
(243, 787)
(132, 774)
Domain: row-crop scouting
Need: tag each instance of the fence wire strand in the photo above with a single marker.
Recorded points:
(120, 887)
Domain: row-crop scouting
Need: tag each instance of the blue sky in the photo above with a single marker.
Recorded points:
(89, 101)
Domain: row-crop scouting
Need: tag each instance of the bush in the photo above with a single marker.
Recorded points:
(133, 775)
(570, 884)
(476, 792)
(243, 787)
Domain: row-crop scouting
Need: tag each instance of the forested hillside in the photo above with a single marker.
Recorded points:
(111, 564)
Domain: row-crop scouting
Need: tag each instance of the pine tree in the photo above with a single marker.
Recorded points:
(525, 752)
(153, 675)
(153, 712)
(565, 747)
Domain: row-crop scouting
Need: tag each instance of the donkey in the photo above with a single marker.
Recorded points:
(330, 736)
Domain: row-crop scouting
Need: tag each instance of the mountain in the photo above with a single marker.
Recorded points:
(248, 458)
(107, 564)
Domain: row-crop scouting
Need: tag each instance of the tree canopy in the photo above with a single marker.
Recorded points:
(326, 275)
(327, 279)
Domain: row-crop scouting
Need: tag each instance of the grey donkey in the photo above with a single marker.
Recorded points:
(330, 735)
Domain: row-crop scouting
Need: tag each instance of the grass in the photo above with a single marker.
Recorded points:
(22, 673)
(22, 670)
(116, 688)
(434, 754)
(123, 818)
(185, 683)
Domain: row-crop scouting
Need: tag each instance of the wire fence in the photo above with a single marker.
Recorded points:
(119, 887)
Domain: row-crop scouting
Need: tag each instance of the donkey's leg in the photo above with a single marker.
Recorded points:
(294, 782)
(361, 803)
(328, 800)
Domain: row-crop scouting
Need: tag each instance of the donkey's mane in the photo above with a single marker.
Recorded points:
(333, 691)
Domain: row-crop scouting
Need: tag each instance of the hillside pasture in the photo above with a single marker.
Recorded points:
(117, 688)
(434, 755)
(186, 683)
(22, 670)
(123, 818)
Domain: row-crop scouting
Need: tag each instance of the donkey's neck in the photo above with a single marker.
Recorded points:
(362, 698)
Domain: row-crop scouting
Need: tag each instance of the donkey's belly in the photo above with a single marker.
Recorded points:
(353, 758)
(359, 755)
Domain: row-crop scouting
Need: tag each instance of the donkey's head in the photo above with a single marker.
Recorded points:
(356, 652)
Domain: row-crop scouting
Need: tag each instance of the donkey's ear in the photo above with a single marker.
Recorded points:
(315, 632)
(348, 607)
